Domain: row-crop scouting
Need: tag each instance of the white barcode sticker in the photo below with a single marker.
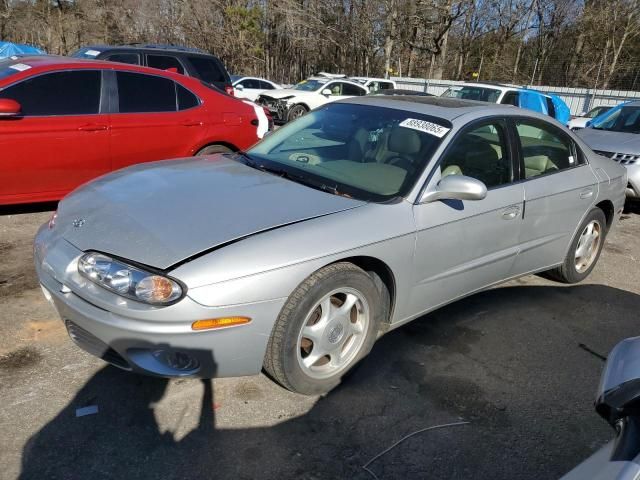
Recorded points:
(424, 126)
(92, 53)
(21, 67)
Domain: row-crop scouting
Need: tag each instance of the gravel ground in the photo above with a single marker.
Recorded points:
(507, 360)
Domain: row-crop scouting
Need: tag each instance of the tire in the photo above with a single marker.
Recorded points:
(346, 339)
(212, 149)
(575, 268)
(296, 111)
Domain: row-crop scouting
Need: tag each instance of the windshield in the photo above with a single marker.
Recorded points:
(624, 119)
(310, 85)
(235, 78)
(86, 52)
(368, 153)
(597, 111)
(473, 93)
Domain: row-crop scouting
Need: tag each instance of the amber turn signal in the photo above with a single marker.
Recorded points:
(212, 323)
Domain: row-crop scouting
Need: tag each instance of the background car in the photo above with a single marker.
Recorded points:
(547, 104)
(616, 135)
(251, 87)
(192, 62)
(617, 402)
(64, 121)
(291, 103)
(353, 220)
(375, 84)
(580, 121)
(399, 91)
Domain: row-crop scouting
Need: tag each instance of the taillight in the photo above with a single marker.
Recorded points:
(229, 89)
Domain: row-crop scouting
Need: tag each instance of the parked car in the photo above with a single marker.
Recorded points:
(616, 135)
(545, 103)
(64, 121)
(251, 87)
(291, 103)
(294, 255)
(375, 84)
(397, 91)
(192, 62)
(617, 402)
(576, 123)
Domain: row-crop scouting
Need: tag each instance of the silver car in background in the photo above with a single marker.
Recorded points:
(616, 136)
(295, 256)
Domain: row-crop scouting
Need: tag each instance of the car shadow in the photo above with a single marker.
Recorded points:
(508, 360)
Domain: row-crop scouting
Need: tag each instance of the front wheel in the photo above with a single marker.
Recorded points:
(212, 149)
(584, 250)
(295, 112)
(328, 324)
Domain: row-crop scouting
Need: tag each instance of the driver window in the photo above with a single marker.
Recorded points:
(336, 88)
(480, 153)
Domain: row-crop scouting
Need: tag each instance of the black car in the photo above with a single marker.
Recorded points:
(188, 61)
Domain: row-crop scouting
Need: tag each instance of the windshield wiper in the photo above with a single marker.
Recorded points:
(298, 178)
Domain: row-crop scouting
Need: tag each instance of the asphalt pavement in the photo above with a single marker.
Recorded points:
(520, 363)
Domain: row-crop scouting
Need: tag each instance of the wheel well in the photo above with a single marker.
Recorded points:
(230, 146)
(609, 212)
(302, 105)
(385, 279)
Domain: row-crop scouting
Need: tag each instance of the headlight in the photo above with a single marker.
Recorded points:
(129, 281)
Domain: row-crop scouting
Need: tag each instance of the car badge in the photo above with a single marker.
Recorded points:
(78, 222)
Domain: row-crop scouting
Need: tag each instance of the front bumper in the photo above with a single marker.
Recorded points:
(279, 109)
(147, 339)
(633, 185)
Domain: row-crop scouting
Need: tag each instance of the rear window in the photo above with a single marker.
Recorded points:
(208, 69)
(58, 93)
(165, 62)
(145, 93)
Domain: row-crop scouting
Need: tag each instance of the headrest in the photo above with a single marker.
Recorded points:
(404, 140)
(538, 162)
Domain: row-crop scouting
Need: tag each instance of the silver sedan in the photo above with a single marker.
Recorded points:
(295, 256)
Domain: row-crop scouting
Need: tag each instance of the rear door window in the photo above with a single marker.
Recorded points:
(265, 85)
(186, 99)
(250, 83)
(58, 93)
(139, 93)
(545, 149)
(207, 69)
(164, 62)
(354, 90)
(130, 58)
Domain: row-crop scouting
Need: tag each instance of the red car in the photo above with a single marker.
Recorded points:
(64, 121)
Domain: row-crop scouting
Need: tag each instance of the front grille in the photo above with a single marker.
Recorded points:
(621, 158)
(94, 345)
(277, 107)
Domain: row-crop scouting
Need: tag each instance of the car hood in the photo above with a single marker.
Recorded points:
(618, 142)
(162, 213)
(288, 92)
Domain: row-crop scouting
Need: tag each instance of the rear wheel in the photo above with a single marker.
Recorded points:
(584, 250)
(212, 149)
(328, 324)
(296, 111)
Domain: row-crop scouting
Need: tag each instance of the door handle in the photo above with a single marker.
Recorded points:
(94, 127)
(586, 193)
(511, 213)
(192, 123)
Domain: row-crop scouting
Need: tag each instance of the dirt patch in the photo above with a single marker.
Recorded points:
(20, 358)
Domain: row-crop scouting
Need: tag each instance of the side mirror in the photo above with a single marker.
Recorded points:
(9, 108)
(619, 390)
(239, 88)
(456, 187)
(326, 92)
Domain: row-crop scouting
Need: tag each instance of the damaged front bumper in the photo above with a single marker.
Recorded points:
(278, 107)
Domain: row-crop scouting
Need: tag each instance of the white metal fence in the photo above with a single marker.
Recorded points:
(578, 99)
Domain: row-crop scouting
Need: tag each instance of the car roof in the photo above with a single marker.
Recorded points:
(43, 63)
(495, 86)
(340, 79)
(150, 47)
(445, 108)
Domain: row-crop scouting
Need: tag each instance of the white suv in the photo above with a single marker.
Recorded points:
(485, 92)
(291, 103)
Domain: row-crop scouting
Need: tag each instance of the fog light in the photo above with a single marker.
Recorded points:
(211, 323)
(176, 360)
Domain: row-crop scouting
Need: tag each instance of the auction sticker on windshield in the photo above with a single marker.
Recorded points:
(424, 126)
